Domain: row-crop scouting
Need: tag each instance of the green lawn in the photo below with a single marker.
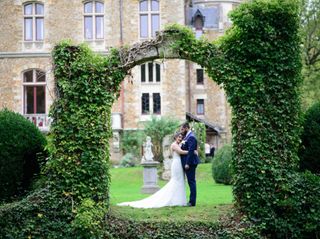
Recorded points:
(213, 199)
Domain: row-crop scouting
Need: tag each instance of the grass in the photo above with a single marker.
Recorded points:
(213, 199)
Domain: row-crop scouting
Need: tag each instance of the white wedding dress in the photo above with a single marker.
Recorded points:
(172, 194)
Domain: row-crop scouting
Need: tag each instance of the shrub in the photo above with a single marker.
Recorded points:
(221, 165)
(131, 142)
(20, 142)
(309, 152)
(128, 160)
(301, 205)
(39, 215)
(119, 228)
(209, 159)
(88, 221)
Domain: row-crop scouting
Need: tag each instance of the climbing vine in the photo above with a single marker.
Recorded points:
(200, 131)
(257, 63)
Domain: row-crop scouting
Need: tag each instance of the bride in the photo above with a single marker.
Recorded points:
(174, 192)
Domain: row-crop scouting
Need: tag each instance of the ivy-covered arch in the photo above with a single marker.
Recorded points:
(258, 64)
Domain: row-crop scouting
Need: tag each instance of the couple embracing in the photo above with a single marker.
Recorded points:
(185, 161)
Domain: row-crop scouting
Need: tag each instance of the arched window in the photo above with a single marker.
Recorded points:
(34, 92)
(33, 22)
(149, 18)
(93, 20)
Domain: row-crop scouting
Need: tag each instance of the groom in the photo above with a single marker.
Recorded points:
(190, 161)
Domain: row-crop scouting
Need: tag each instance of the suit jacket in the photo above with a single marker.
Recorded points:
(190, 144)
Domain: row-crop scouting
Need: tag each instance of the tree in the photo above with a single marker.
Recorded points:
(310, 21)
(157, 129)
(310, 26)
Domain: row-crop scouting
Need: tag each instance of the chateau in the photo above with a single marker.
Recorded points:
(30, 29)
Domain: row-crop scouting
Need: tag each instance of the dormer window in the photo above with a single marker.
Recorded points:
(198, 23)
(198, 20)
(201, 17)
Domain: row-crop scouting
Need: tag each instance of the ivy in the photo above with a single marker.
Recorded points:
(200, 130)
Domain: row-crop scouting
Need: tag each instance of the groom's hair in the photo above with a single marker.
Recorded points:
(186, 125)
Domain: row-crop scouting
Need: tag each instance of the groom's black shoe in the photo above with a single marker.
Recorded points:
(190, 205)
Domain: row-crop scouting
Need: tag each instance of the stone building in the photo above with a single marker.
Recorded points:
(30, 29)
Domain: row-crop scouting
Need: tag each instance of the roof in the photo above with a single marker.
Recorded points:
(215, 127)
(211, 16)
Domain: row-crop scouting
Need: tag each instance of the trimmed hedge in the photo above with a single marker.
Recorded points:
(20, 142)
(221, 165)
(39, 215)
(119, 228)
(240, 228)
(309, 152)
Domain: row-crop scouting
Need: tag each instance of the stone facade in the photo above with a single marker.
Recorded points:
(64, 19)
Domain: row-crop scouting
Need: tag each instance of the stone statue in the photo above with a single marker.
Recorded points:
(150, 173)
(147, 150)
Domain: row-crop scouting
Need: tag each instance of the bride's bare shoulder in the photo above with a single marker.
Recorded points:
(173, 145)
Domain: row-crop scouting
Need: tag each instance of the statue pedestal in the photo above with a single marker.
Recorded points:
(150, 177)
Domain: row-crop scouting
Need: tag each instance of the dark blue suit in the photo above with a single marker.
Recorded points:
(192, 160)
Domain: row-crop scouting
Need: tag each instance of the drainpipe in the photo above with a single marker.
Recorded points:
(121, 44)
(186, 12)
(121, 21)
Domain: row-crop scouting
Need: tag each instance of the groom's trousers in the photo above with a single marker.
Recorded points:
(191, 176)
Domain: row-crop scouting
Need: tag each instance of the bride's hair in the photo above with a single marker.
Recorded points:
(176, 135)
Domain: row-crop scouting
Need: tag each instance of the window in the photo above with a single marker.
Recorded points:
(200, 106)
(34, 90)
(156, 103)
(145, 102)
(150, 72)
(93, 20)
(33, 22)
(198, 23)
(158, 74)
(200, 76)
(149, 18)
(143, 73)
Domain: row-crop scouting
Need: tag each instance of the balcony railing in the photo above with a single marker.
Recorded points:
(42, 121)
